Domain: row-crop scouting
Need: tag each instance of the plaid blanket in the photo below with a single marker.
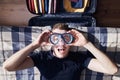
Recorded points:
(13, 39)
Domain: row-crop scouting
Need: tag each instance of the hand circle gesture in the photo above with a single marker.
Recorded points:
(79, 38)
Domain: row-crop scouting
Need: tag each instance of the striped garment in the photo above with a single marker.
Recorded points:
(61, 6)
(42, 6)
(13, 39)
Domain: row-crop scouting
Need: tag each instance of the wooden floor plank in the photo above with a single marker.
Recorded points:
(14, 12)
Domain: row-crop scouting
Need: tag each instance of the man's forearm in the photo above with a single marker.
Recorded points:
(101, 57)
(18, 58)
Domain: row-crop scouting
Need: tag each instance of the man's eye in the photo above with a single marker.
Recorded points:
(67, 38)
(55, 38)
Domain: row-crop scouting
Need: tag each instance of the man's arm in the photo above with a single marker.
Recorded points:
(101, 63)
(21, 60)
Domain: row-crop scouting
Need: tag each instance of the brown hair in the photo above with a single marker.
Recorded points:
(62, 26)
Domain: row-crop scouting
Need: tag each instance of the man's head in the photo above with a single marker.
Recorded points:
(61, 49)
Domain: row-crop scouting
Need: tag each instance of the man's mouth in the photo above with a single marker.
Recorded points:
(61, 50)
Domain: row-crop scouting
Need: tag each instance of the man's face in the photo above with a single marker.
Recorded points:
(61, 49)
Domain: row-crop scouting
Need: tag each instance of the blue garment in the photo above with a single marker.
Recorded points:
(77, 4)
(53, 68)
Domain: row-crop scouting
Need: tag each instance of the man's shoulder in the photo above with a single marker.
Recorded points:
(79, 56)
(40, 54)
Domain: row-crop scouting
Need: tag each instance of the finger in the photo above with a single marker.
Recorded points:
(72, 44)
(46, 33)
(47, 44)
(72, 32)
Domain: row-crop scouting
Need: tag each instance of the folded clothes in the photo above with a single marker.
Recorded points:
(79, 6)
(77, 3)
(59, 6)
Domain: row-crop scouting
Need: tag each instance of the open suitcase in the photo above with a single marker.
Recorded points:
(49, 12)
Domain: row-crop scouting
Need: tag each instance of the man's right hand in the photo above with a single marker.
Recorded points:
(42, 39)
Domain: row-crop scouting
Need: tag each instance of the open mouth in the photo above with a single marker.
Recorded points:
(61, 50)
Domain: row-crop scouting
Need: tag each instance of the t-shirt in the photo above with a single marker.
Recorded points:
(53, 68)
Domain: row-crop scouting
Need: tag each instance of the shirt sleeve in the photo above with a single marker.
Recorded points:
(88, 58)
(36, 57)
(85, 59)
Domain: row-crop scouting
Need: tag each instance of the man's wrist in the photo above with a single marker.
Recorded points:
(34, 46)
(87, 45)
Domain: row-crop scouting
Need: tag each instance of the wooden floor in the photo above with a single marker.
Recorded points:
(15, 13)
(108, 13)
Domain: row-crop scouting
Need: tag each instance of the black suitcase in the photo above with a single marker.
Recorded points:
(49, 12)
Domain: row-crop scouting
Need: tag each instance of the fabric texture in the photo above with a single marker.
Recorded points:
(41, 7)
(13, 39)
(53, 68)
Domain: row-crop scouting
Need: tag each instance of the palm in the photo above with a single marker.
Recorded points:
(43, 38)
(80, 40)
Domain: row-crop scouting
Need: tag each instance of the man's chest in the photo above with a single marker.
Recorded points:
(60, 69)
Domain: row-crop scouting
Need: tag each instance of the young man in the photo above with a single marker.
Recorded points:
(59, 63)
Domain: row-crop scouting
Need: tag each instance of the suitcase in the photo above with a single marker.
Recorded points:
(49, 12)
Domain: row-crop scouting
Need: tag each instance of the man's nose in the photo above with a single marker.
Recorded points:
(61, 42)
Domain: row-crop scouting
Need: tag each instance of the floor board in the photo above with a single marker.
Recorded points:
(15, 13)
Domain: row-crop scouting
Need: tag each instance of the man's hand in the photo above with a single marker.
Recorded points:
(79, 39)
(42, 39)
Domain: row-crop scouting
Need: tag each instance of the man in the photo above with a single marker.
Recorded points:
(59, 63)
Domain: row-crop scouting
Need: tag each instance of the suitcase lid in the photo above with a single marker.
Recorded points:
(43, 7)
